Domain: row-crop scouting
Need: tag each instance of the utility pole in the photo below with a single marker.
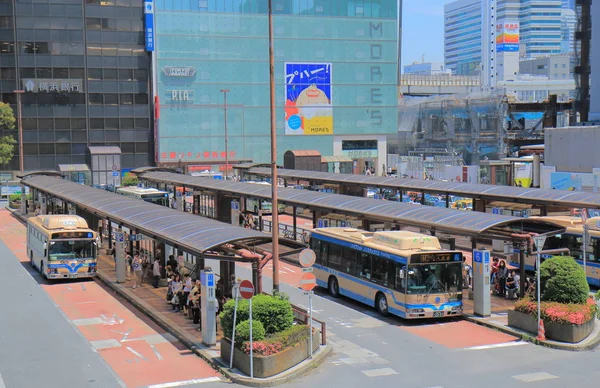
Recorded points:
(274, 202)
(20, 126)
(225, 91)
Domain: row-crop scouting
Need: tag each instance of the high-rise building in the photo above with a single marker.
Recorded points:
(463, 36)
(541, 27)
(336, 75)
(568, 25)
(85, 77)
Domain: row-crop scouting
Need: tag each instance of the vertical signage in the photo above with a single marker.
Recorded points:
(149, 25)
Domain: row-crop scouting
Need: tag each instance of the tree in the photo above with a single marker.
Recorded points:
(7, 143)
(130, 181)
(563, 280)
(7, 117)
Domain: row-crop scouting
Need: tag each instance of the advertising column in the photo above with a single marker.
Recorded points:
(481, 283)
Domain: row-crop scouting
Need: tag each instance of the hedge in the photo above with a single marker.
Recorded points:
(242, 332)
(562, 280)
(274, 313)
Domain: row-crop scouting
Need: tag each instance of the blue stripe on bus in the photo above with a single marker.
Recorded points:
(378, 288)
(67, 266)
(357, 247)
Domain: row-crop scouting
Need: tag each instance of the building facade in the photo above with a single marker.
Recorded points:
(463, 36)
(85, 77)
(427, 68)
(541, 27)
(336, 75)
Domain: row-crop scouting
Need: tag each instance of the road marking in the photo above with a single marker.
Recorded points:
(158, 355)
(2, 382)
(501, 345)
(536, 376)
(105, 344)
(379, 372)
(136, 353)
(289, 269)
(182, 383)
(87, 321)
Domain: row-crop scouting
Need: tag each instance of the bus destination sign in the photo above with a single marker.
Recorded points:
(436, 257)
(64, 235)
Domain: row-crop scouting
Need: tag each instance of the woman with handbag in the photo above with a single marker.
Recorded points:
(177, 288)
(170, 278)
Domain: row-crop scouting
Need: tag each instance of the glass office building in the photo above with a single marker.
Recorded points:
(336, 74)
(85, 77)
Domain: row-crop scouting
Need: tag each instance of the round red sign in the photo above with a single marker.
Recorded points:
(246, 289)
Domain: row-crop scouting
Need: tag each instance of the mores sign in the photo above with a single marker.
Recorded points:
(179, 71)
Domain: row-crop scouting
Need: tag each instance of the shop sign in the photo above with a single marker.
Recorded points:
(179, 71)
(53, 85)
(360, 154)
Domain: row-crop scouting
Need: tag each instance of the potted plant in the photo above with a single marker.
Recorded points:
(566, 309)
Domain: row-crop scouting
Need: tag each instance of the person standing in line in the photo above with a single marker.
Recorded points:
(156, 272)
(136, 265)
(502, 275)
(128, 264)
(188, 284)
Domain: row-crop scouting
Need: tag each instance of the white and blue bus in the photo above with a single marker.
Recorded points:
(398, 272)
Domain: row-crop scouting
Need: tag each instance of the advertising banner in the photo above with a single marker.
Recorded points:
(565, 181)
(507, 38)
(149, 25)
(308, 107)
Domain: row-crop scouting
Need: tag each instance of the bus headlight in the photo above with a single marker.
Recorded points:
(456, 308)
(412, 311)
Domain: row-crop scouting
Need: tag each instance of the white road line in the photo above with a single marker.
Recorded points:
(501, 345)
(289, 269)
(2, 382)
(536, 376)
(379, 372)
(137, 354)
(182, 383)
(158, 355)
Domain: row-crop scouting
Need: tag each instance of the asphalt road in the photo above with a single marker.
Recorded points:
(38, 345)
(369, 350)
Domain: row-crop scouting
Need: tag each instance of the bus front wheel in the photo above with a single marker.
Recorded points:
(381, 304)
(334, 287)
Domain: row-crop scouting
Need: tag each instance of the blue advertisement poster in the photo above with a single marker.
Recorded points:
(565, 181)
(308, 108)
(149, 25)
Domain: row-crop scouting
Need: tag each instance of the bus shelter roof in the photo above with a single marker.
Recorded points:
(541, 197)
(187, 232)
(466, 223)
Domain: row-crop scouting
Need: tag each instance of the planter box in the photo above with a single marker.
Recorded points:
(267, 366)
(555, 331)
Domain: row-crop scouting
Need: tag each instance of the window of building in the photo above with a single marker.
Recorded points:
(95, 99)
(76, 73)
(6, 22)
(111, 123)
(45, 124)
(125, 75)
(78, 124)
(43, 72)
(62, 124)
(126, 99)
(29, 123)
(110, 74)
(7, 47)
(141, 148)
(30, 149)
(8, 73)
(94, 74)
(141, 99)
(140, 75)
(93, 23)
(60, 72)
(142, 123)
(111, 99)
(63, 148)
(128, 148)
(126, 123)
(96, 123)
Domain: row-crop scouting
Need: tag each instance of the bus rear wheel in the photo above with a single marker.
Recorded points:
(42, 270)
(334, 287)
(381, 304)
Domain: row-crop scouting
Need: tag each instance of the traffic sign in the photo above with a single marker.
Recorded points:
(307, 258)
(115, 173)
(308, 281)
(539, 242)
(246, 289)
(114, 167)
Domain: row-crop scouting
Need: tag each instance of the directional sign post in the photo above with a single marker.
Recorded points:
(247, 291)
(539, 245)
(308, 281)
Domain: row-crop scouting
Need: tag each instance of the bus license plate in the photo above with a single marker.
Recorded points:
(438, 314)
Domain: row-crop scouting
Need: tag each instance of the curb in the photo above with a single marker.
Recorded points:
(590, 345)
(201, 351)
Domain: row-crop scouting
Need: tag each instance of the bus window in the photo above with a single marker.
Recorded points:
(335, 257)
(324, 255)
(595, 256)
(364, 265)
(315, 245)
(349, 260)
(380, 270)
(400, 281)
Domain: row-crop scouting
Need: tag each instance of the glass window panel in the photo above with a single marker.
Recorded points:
(6, 22)
(75, 36)
(111, 123)
(78, 124)
(43, 72)
(140, 75)
(125, 75)
(79, 135)
(29, 123)
(123, 25)
(41, 23)
(93, 23)
(57, 23)
(7, 47)
(109, 24)
(60, 72)
(110, 74)
(142, 148)
(127, 123)
(141, 99)
(76, 73)
(128, 148)
(62, 136)
(95, 99)
(46, 99)
(62, 124)
(30, 149)
(8, 73)
(349, 261)
(112, 136)
(380, 270)
(111, 99)
(63, 149)
(74, 10)
(126, 99)
(78, 148)
(364, 265)
(94, 74)
(97, 123)
(75, 23)
(335, 257)
(142, 123)
(44, 124)
(77, 98)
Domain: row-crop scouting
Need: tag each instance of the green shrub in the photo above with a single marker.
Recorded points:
(129, 181)
(274, 313)
(563, 280)
(242, 331)
(15, 197)
(292, 336)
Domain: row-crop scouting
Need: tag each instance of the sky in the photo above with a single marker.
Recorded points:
(423, 30)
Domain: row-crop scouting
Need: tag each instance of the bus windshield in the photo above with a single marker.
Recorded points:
(71, 249)
(434, 278)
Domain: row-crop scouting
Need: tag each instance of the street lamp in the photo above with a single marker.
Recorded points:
(274, 201)
(20, 126)
(225, 91)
